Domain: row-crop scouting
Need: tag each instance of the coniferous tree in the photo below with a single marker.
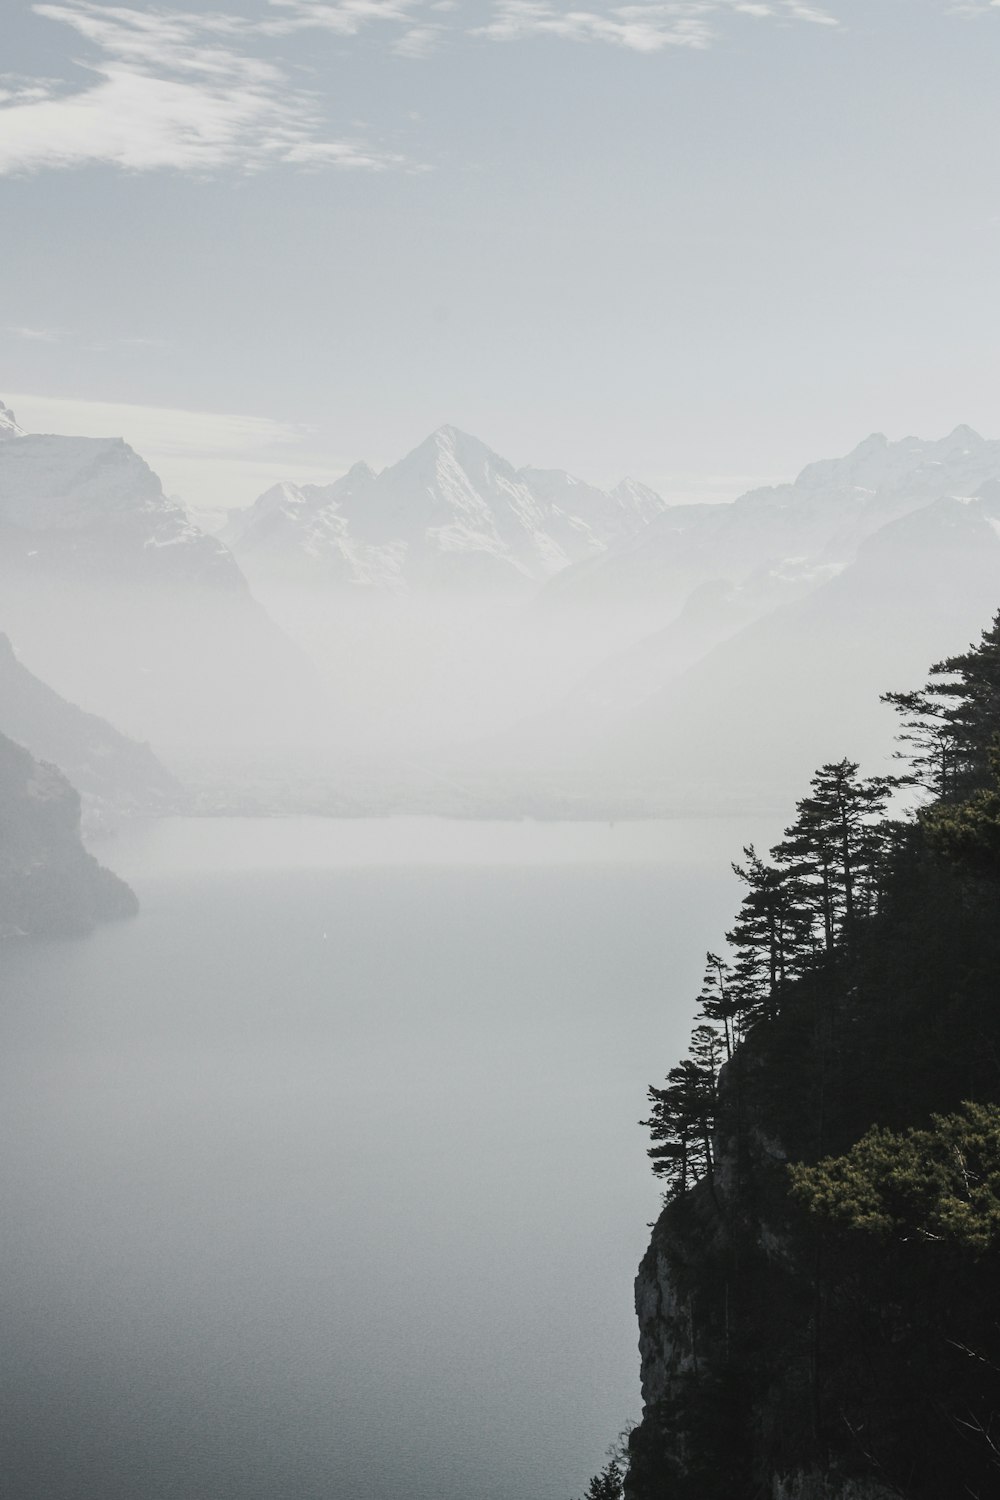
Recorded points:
(721, 1001)
(833, 848)
(950, 723)
(770, 936)
(607, 1485)
(682, 1117)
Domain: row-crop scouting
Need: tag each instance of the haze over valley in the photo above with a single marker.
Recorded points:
(454, 634)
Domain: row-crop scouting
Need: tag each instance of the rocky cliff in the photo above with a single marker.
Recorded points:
(49, 885)
(819, 1306)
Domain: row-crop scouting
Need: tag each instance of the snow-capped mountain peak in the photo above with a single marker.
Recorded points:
(451, 513)
(8, 424)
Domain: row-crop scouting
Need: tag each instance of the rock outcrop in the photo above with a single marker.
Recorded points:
(49, 885)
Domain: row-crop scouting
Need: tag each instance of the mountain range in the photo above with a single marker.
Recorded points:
(818, 520)
(787, 612)
(577, 645)
(450, 515)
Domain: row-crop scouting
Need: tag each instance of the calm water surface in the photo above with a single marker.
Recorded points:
(322, 1177)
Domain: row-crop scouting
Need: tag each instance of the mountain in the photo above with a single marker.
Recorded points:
(765, 705)
(49, 885)
(110, 771)
(714, 612)
(450, 515)
(91, 509)
(123, 605)
(819, 520)
(755, 672)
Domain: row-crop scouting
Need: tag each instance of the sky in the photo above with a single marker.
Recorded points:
(700, 242)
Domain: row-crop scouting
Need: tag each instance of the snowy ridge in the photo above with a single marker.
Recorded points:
(450, 513)
(820, 519)
(94, 502)
(8, 424)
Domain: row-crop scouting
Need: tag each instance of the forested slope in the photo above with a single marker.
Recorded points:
(820, 1303)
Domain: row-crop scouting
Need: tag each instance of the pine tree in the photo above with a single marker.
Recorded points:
(833, 849)
(720, 1001)
(682, 1118)
(950, 723)
(607, 1485)
(769, 935)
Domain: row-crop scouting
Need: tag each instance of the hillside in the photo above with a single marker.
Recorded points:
(819, 1307)
(111, 772)
(49, 885)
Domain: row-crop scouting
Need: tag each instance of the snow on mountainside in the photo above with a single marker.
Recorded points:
(788, 612)
(450, 514)
(8, 424)
(821, 517)
(93, 507)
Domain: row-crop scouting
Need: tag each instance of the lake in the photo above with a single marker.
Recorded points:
(322, 1178)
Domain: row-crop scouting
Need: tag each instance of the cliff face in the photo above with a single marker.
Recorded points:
(49, 885)
(714, 1289)
(790, 1357)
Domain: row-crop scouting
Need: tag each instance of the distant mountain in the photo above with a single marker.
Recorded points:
(451, 515)
(49, 885)
(123, 605)
(90, 509)
(803, 681)
(868, 561)
(108, 769)
(819, 520)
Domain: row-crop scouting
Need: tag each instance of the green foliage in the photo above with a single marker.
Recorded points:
(941, 1184)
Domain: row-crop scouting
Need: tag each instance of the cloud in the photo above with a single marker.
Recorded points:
(181, 90)
(203, 90)
(639, 27)
(37, 335)
(344, 19)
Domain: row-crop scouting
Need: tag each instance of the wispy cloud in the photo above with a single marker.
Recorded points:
(182, 90)
(639, 27)
(344, 19)
(37, 335)
(63, 336)
(204, 90)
